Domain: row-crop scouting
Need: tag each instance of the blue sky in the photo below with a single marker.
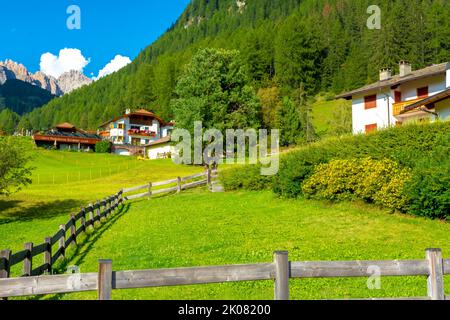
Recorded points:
(30, 28)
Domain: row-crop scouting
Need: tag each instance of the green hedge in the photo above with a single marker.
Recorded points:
(405, 168)
(406, 145)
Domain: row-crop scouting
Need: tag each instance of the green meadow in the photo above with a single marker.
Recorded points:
(199, 228)
(38, 210)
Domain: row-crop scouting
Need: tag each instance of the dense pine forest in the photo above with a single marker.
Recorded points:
(291, 49)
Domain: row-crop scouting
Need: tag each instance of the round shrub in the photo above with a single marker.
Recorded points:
(103, 147)
(377, 181)
(247, 177)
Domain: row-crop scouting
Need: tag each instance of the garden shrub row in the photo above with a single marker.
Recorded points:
(405, 168)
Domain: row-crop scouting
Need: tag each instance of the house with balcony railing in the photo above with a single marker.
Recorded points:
(411, 95)
(131, 132)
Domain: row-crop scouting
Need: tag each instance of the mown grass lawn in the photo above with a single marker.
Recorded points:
(198, 228)
(38, 210)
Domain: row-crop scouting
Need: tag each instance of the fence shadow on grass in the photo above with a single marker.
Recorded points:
(77, 254)
(41, 210)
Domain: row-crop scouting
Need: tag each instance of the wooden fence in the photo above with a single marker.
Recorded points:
(87, 217)
(280, 270)
(181, 184)
(77, 225)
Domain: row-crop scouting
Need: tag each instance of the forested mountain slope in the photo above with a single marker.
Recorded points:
(319, 45)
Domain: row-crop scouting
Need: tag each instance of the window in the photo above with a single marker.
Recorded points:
(121, 125)
(371, 127)
(398, 96)
(422, 93)
(370, 102)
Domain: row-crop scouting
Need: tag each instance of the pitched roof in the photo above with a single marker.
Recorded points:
(140, 112)
(65, 125)
(397, 80)
(159, 141)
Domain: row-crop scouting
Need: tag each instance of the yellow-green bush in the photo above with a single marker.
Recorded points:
(378, 181)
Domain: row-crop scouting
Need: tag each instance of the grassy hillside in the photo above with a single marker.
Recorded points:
(199, 229)
(325, 114)
(38, 210)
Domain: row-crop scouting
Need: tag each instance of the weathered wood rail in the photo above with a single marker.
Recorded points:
(80, 222)
(280, 270)
(150, 188)
(65, 237)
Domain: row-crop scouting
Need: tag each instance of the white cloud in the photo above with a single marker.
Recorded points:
(68, 59)
(115, 65)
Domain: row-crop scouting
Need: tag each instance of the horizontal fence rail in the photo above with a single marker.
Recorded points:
(280, 270)
(93, 214)
(181, 184)
(66, 236)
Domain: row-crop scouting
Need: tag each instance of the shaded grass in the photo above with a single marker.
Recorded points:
(200, 229)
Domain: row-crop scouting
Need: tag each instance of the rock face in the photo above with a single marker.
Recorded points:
(48, 83)
(3, 76)
(72, 80)
(67, 82)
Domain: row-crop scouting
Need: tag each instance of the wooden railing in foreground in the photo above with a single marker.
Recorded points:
(280, 270)
(77, 225)
(180, 185)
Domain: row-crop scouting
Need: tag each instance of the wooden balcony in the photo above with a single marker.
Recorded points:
(138, 133)
(400, 106)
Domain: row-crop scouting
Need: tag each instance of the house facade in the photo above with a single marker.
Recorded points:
(131, 132)
(394, 100)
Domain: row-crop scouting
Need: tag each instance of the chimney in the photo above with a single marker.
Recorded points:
(127, 111)
(405, 68)
(385, 74)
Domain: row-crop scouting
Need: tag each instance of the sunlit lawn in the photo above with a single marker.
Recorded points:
(199, 228)
(38, 210)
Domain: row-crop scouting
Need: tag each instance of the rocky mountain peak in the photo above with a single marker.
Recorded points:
(72, 80)
(67, 82)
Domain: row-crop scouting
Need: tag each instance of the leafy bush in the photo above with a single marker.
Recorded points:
(405, 145)
(103, 147)
(246, 177)
(378, 181)
(15, 171)
(429, 189)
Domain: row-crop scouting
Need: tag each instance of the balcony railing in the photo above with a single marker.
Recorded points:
(400, 106)
(139, 133)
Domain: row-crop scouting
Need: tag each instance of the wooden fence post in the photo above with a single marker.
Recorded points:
(435, 281)
(149, 190)
(91, 215)
(62, 241)
(208, 176)
(28, 261)
(99, 206)
(104, 279)
(83, 219)
(48, 254)
(73, 229)
(5, 257)
(178, 184)
(281, 261)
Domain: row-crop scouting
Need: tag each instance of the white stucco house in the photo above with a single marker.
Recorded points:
(133, 131)
(408, 96)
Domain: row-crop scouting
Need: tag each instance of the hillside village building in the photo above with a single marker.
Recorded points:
(66, 136)
(133, 132)
(408, 96)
